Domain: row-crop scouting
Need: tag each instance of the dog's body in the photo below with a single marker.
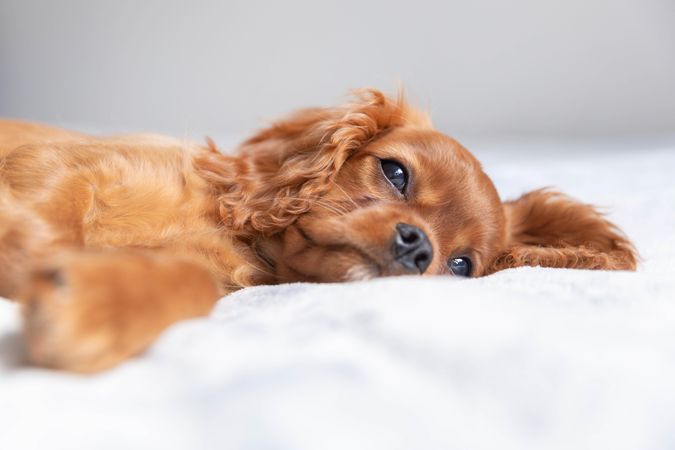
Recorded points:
(133, 192)
(107, 241)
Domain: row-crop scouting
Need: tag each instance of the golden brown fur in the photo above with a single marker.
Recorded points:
(106, 241)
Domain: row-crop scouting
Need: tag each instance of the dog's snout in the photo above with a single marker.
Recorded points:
(412, 248)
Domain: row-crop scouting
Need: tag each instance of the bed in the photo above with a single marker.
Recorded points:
(528, 358)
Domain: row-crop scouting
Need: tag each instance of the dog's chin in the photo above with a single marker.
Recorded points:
(368, 271)
(332, 270)
(311, 254)
(350, 264)
(362, 272)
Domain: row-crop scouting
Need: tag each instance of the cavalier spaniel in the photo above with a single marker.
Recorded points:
(106, 241)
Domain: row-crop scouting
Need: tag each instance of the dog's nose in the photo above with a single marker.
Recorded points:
(412, 248)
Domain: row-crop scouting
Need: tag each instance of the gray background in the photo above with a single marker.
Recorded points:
(485, 68)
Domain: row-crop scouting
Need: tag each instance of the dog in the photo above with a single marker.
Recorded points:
(106, 241)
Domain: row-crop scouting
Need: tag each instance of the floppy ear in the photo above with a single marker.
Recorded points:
(549, 229)
(281, 170)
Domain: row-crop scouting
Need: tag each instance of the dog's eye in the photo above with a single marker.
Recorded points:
(395, 173)
(460, 266)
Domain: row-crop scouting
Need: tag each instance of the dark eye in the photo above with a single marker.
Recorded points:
(460, 266)
(395, 173)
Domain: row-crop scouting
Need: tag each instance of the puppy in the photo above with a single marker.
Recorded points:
(108, 241)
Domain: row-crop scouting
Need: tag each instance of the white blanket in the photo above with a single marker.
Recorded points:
(529, 358)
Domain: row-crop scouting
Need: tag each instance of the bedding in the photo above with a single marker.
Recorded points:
(528, 358)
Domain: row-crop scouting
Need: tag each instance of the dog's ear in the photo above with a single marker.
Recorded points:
(281, 170)
(549, 229)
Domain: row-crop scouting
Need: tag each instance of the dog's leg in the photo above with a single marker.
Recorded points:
(16, 246)
(90, 311)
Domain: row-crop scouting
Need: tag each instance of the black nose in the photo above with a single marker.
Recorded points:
(412, 248)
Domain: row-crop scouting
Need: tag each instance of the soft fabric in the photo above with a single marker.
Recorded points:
(528, 358)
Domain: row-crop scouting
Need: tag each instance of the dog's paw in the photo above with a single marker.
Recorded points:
(89, 312)
(69, 326)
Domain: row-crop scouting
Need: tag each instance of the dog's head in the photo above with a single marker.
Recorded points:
(371, 189)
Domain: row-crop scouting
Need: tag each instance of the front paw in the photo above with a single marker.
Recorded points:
(90, 312)
(70, 326)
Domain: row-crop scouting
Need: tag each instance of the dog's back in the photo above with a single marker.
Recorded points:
(62, 189)
(14, 133)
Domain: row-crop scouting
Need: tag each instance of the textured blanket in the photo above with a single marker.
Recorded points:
(528, 358)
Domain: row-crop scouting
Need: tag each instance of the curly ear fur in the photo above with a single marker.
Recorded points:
(551, 230)
(281, 170)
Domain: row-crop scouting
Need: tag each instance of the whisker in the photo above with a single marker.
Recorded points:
(345, 194)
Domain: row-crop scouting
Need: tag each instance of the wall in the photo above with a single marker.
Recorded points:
(489, 68)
